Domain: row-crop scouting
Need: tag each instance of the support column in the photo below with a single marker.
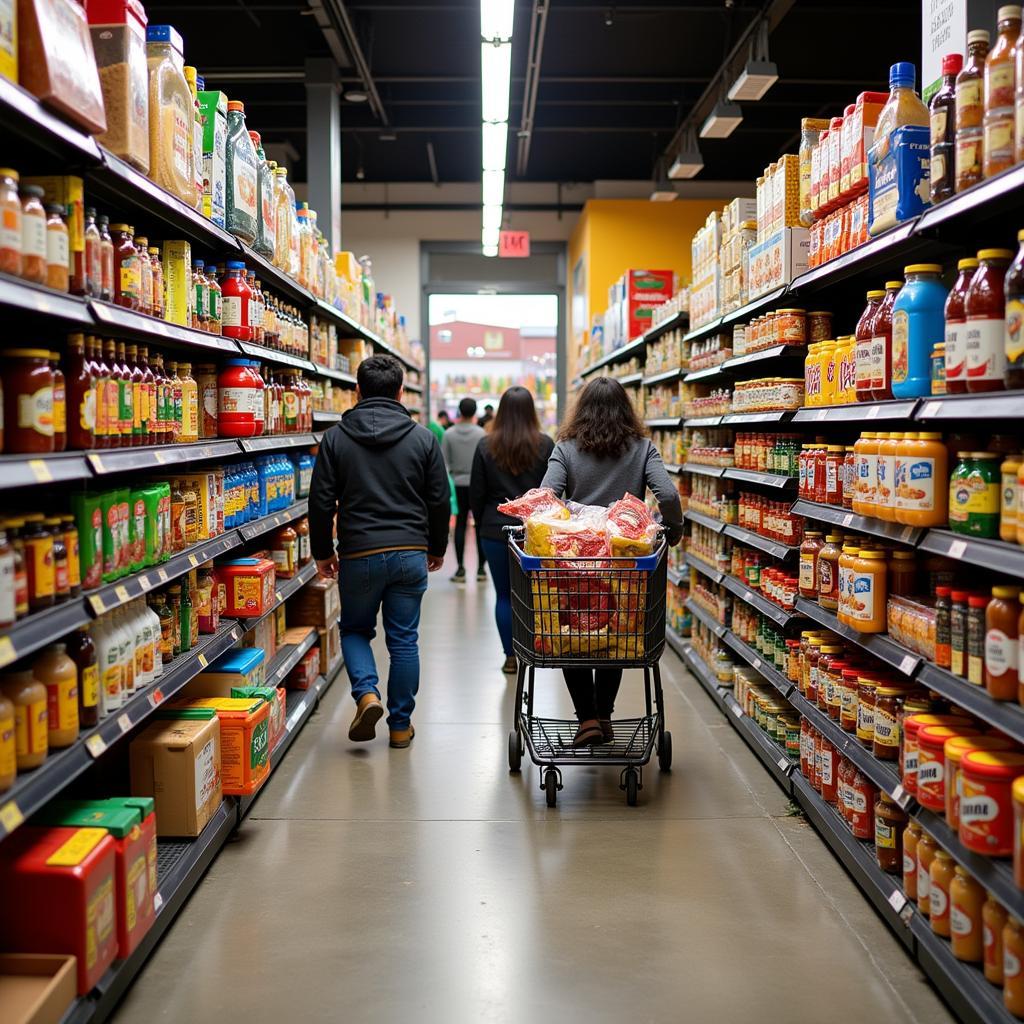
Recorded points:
(323, 146)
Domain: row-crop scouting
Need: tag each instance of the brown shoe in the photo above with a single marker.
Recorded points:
(607, 730)
(368, 713)
(401, 738)
(588, 734)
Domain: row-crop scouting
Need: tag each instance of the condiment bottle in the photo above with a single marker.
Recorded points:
(942, 114)
(80, 387)
(943, 608)
(976, 631)
(189, 405)
(993, 918)
(902, 568)
(1013, 965)
(107, 259)
(62, 585)
(39, 563)
(235, 303)
(8, 580)
(126, 395)
(8, 744)
(58, 274)
(82, 651)
(970, 112)
(881, 343)
(921, 467)
(862, 349)
(890, 823)
(33, 234)
(985, 310)
(145, 276)
(200, 317)
(917, 322)
(1013, 291)
(958, 633)
(57, 672)
(966, 900)
(885, 469)
(28, 695)
(827, 570)
(1001, 632)
(956, 328)
(92, 260)
(926, 850)
(999, 93)
(10, 222)
(127, 274)
(158, 282)
(940, 878)
(911, 837)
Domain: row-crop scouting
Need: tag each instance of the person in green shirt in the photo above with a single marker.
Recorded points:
(440, 425)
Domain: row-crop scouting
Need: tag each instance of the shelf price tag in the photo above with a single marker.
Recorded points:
(156, 698)
(957, 549)
(930, 410)
(897, 900)
(783, 765)
(96, 745)
(193, 561)
(124, 723)
(757, 664)
(7, 651)
(96, 462)
(901, 796)
(161, 575)
(121, 591)
(907, 664)
(97, 605)
(847, 519)
(40, 471)
(202, 660)
(145, 583)
(158, 902)
(737, 710)
(906, 533)
(10, 816)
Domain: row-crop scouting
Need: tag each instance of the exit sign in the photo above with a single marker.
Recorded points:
(514, 244)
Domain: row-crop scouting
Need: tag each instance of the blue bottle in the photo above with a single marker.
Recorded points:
(918, 324)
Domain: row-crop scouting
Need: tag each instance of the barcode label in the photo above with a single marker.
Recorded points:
(897, 900)
(907, 664)
(957, 548)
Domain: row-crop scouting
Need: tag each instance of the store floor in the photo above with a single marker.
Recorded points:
(379, 886)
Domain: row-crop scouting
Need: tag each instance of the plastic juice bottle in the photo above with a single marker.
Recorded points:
(241, 194)
(812, 375)
(885, 491)
(918, 322)
(999, 93)
(108, 665)
(922, 476)
(862, 351)
(881, 343)
(827, 360)
(985, 310)
(956, 328)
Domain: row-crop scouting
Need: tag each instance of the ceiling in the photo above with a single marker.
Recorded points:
(616, 79)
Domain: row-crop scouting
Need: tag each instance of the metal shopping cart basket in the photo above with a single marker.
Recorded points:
(588, 613)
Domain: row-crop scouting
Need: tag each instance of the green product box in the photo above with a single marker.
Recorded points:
(214, 108)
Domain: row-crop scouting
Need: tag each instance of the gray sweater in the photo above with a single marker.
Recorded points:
(589, 480)
(458, 446)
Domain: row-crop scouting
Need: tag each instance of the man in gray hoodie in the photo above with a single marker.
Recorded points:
(458, 446)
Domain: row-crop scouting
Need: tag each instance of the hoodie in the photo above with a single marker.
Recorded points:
(382, 476)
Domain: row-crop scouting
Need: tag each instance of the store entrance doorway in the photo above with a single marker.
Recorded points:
(492, 323)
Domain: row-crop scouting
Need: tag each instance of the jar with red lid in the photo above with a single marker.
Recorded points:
(931, 763)
(862, 346)
(239, 399)
(28, 401)
(986, 804)
(235, 299)
(985, 312)
(909, 755)
(863, 798)
(953, 752)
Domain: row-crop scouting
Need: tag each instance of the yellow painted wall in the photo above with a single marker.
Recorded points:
(615, 235)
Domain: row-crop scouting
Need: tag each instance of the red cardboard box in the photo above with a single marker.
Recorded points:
(303, 676)
(57, 894)
(249, 583)
(645, 291)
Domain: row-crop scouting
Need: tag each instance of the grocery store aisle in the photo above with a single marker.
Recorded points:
(373, 885)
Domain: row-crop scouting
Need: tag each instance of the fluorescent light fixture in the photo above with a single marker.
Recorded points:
(495, 80)
(489, 236)
(687, 164)
(490, 250)
(754, 80)
(663, 192)
(492, 217)
(493, 188)
(496, 18)
(495, 145)
(722, 121)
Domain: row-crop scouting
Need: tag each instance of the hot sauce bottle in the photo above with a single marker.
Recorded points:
(881, 344)
(81, 396)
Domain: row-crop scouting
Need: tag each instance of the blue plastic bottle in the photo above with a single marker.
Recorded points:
(918, 324)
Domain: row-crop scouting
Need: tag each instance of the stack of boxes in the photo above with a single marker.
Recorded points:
(632, 304)
(706, 290)
(780, 253)
(739, 230)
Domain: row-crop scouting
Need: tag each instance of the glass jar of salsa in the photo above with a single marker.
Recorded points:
(28, 401)
(985, 311)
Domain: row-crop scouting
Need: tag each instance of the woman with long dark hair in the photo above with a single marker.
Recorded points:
(509, 461)
(603, 453)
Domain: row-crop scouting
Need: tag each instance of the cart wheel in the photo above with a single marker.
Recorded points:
(665, 752)
(551, 786)
(632, 785)
(514, 754)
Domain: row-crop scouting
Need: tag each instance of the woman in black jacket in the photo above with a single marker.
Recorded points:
(507, 463)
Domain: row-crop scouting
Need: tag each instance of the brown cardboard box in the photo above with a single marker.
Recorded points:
(316, 604)
(263, 635)
(177, 762)
(36, 988)
(330, 647)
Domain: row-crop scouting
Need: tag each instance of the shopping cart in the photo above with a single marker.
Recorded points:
(588, 613)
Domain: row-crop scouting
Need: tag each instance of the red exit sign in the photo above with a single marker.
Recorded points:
(514, 244)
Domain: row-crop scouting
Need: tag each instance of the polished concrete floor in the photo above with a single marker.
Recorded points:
(428, 885)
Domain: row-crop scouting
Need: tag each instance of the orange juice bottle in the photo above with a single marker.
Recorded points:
(885, 492)
(922, 480)
(867, 596)
(827, 357)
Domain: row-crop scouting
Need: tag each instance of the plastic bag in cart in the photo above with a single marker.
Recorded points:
(632, 532)
(535, 501)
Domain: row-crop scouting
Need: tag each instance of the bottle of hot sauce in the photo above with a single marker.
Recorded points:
(115, 384)
(81, 396)
(881, 344)
(956, 328)
(138, 436)
(125, 394)
(101, 374)
(862, 356)
(148, 396)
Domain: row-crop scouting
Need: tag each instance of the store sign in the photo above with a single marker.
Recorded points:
(943, 30)
(514, 244)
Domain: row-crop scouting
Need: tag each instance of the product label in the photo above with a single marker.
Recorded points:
(234, 312)
(99, 921)
(244, 186)
(972, 497)
(977, 808)
(938, 901)
(956, 367)
(30, 728)
(923, 883)
(865, 721)
(985, 351)
(826, 767)
(807, 561)
(1014, 333)
(868, 477)
(900, 345)
(57, 248)
(35, 411)
(1000, 653)
(33, 236)
(207, 778)
(182, 122)
(909, 865)
(1011, 964)
(959, 921)
(90, 683)
(62, 704)
(10, 230)
(886, 729)
(999, 139)
(858, 800)
(861, 605)
(930, 773)
(916, 485)
(968, 156)
(910, 760)
(885, 835)
(883, 490)
(259, 751)
(241, 402)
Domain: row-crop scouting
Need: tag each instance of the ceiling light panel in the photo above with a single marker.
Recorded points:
(495, 145)
(495, 80)
(496, 18)
(722, 121)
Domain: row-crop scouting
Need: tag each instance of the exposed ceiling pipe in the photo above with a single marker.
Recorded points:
(339, 23)
(538, 25)
(432, 160)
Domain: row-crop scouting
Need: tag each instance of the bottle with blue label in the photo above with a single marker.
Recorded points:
(918, 323)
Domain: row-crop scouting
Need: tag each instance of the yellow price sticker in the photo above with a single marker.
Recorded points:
(7, 651)
(11, 816)
(203, 661)
(122, 593)
(162, 575)
(97, 463)
(96, 744)
(160, 457)
(40, 471)
(96, 604)
(145, 583)
(193, 561)
(279, 597)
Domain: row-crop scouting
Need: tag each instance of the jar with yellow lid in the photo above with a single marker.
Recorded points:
(867, 597)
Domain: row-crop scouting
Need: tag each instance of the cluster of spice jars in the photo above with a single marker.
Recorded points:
(760, 633)
(768, 518)
(839, 781)
(773, 715)
(768, 394)
(785, 327)
(826, 473)
(767, 453)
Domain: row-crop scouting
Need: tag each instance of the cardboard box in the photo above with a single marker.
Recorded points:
(249, 585)
(304, 674)
(214, 108)
(205, 487)
(316, 604)
(264, 636)
(778, 260)
(178, 764)
(36, 988)
(276, 699)
(330, 647)
(179, 295)
(245, 666)
(9, 40)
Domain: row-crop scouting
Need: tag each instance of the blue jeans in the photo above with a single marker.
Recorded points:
(496, 553)
(393, 582)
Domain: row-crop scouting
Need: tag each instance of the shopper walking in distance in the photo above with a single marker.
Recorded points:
(487, 420)
(458, 447)
(603, 453)
(382, 477)
(440, 425)
(510, 460)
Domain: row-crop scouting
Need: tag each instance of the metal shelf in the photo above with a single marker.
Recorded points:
(675, 577)
(701, 470)
(773, 611)
(130, 460)
(743, 418)
(750, 476)
(702, 332)
(877, 644)
(22, 115)
(41, 628)
(32, 790)
(635, 347)
(277, 442)
(996, 555)
(993, 405)
(755, 540)
(704, 568)
(258, 527)
(768, 672)
(661, 376)
(901, 409)
(703, 421)
(350, 379)
(27, 470)
(707, 521)
(997, 195)
(665, 422)
(862, 524)
(1007, 716)
(704, 616)
(629, 379)
(272, 355)
(287, 658)
(675, 320)
(710, 371)
(353, 329)
(326, 416)
(763, 355)
(26, 297)
(753, 306)
(152, 329)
